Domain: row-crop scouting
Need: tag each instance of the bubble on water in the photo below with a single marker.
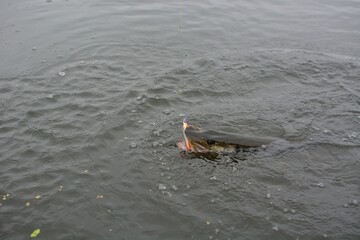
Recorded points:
(289, 218)
(211, 237)
(275, 228)
(353, 135)
(62, 74)
(140, 121)
(27, 204)
(185, 194)
(217, 231)
(173, 187)
(316, 128)
(346, 205)
(162, 186)
(320, 185)
(285, 210)
(212, 200)
(326, 131)
(354, 202)
(155, 144)
(133, 145)
(82, 62)
(268, 195)
(133, 111)
(156, 133)
(213, 178)
(34, 48)
(267, 218)
(51, 96)
(167, 193)
(166, 111)
(248, 182)
(188, 186)
(325, 236)
(263, 146)
(293, 211)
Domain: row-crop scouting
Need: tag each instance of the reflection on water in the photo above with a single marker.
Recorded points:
(92, 95)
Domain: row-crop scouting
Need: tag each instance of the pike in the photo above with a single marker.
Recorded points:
(197, 140)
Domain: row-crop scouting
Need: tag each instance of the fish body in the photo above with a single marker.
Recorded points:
(197, 140)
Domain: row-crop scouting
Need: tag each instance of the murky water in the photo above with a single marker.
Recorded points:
(92, 96)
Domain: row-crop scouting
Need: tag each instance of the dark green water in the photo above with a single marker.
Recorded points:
(83, 81)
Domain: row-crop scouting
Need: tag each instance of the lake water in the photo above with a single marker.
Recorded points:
(93, 92)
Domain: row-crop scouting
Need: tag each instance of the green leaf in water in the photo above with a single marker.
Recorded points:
(35, 233)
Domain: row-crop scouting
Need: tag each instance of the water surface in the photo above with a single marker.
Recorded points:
(92, 95)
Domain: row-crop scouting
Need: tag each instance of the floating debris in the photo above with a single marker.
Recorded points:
(268, 195)
(60, 188)
(285, 210)
(99, 196)
(208, 223)
(320, 185)
(326, 131)
(346, 205)
(51, 96)
(293, 211)
(354, 202)
(86, 171)
(62, 74)
(34, 48)
(156, 133)
(133, 145)
(37, 196)
(263, 146)
(27, 204)
(173, 187)
(217, 231)
(162, 186)
(213, 178)
(155, 144)
(35, 233)
(234, 169)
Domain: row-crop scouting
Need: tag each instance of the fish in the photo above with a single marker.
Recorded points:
(197, 140)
